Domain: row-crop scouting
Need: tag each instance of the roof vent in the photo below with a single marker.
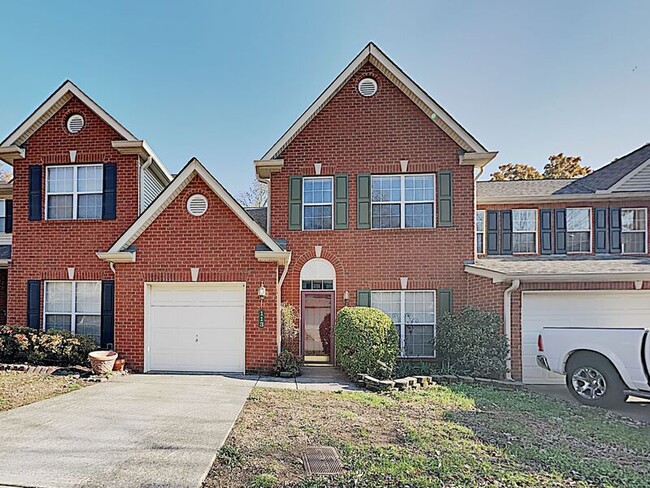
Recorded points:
(75, 123)
(197, 205)
(367, 87)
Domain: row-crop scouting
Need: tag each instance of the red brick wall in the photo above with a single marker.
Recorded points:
(45, 249)
(222, 247)
(354, 134)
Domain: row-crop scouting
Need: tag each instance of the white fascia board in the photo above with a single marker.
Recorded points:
(498, 277)
(67, 87)
(568, 197)
(495, 276)
(478, 160)
(283, 257)
(264, 168)
(9, 154)
(117, 257)
(172, 190)
(144, 151)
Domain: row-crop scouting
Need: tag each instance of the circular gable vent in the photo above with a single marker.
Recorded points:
(367, 87)
(75, 123)
(197, 205)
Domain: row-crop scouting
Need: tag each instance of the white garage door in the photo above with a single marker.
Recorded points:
(195, 327)
(575, 309)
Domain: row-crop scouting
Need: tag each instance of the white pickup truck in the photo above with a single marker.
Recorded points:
(603, 366)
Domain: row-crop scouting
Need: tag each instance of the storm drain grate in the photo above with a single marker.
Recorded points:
(320, 460)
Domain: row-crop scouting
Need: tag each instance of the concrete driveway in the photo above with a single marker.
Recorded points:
(134, 431)
(634, 408)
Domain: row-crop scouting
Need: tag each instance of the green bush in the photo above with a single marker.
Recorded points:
(366, 342)
(31, 346)
(288, 362)
(471, 343)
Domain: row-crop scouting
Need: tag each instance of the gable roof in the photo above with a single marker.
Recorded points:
(182, 179)
(52, 105)
(371, 53)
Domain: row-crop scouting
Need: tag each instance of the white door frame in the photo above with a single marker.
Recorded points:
(149, 285)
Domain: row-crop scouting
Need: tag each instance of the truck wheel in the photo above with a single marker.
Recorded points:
(593, 380)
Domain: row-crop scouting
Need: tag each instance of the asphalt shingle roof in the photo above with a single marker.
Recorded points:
(519, 188)
(259, 215)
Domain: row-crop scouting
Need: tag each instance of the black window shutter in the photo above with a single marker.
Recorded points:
(363, 298)
(445, 302)
(506, 232)
(35, 195)
(9, 216)
(341, 201)
(108, 314)
(615, 230)
(493, 232)
(363, 201)
(295, 202)
(34, 304)
(560, 230)
(601, 230)
(109, 201)
(546, 230)
(445, 200)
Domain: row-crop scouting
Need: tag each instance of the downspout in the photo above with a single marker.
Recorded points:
(279, 304)
(507, 321)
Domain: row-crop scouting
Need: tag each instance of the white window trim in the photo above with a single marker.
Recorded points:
(402, 314)
(73, 305)
(331, 204)
(590, 230)
(476, 231)
(536, 251)
(644, 231)
(75, 193)
(402, 202)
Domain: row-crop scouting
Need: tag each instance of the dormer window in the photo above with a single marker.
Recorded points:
(73, 192)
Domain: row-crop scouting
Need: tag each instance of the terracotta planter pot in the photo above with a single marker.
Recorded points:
(119, 364)
(102, 362)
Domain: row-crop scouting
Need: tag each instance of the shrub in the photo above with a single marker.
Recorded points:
(471, 343)
(288, 324)
(288, 362)
(31, 346)
(366, 342)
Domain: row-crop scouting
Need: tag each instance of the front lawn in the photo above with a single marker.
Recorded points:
(460, 436)
(17, 389)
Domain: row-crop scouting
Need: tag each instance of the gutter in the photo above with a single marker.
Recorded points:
(507, 322)
(570, 197)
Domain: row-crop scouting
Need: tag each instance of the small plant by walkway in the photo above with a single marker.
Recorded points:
(462, 435)
(17, 389)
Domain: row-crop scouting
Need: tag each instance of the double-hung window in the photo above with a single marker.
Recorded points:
(402, 201)
(413, 314)
(634, 230)
(317, 203)
(74, 192)
(3, 216)
(578, 230)
(480, 232)
(73, 306)
(524, 231)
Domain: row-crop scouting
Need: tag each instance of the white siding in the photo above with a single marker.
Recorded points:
(151, 188)
(639, 182)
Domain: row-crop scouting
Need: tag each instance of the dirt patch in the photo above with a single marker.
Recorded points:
(17, 389)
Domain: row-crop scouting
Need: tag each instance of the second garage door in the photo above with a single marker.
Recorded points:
(195, 327)
(575, 309)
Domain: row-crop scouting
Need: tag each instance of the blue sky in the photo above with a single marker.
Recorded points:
(223, 80)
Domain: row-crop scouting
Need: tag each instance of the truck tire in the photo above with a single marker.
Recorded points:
(593, 380)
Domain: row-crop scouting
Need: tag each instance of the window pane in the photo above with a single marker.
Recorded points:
(89, 206)
(523, 243)
(3, 212)
(479, 243)
(633, 219)
(58, 296)
(418, 188)
(59, 207)
(418, 215)
(317, 190)
(578, 242)
(386, 216)
(419, 340)
(386, 189)
(633, 242)
(89, 179)
(89, 325)
(59, 180)
(88, 297)
(388, 302)
(58, 322)
(480, 221)
(419, 307)
(524, 220)
(318, 217)
(578, 219)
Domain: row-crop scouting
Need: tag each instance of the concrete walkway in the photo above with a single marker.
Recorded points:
(133, 431)
(321, 377)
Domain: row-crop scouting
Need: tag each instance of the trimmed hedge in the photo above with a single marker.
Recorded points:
(366, 342)
(472, 343)
(31, 346)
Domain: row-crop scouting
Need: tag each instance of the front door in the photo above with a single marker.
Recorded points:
(317, 312)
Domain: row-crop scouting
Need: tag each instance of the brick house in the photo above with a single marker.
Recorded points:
(373, 201)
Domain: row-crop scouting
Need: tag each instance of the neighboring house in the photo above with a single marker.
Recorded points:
(571, 252)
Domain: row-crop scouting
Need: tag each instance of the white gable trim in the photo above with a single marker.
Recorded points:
(373, 54)
(194, 167)
(627, 178)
